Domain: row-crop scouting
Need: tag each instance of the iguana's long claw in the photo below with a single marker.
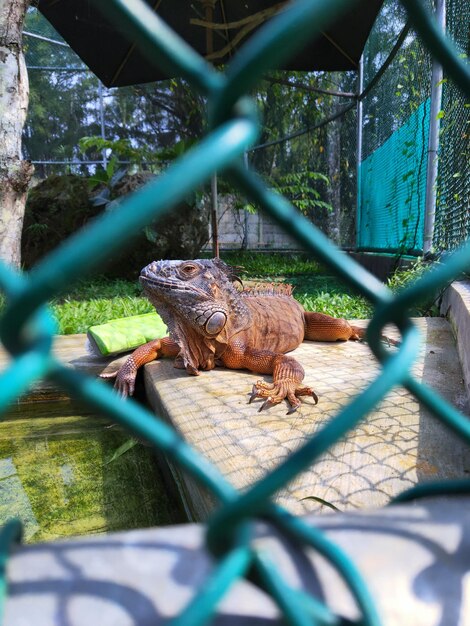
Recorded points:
(253, 395)
(307, 391)
(265, 403)
(315, 397)
(293, 409)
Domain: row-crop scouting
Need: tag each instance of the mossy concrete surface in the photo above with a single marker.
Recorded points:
(65, 471)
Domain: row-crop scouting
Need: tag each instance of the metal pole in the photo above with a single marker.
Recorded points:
(103, 133)
(214, 224)
(208, 6)
(433, 143)
(245, 237)
(360, 88)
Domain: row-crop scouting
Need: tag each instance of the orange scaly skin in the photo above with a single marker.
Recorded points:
(210, 323)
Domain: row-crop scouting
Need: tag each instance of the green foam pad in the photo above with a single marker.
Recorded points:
(126, 333)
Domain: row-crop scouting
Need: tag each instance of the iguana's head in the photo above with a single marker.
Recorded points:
(196, 299)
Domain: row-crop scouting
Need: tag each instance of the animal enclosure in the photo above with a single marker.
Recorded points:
(27, 328)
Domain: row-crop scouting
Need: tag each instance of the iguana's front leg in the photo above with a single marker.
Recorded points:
(126, 374)
(287, 374)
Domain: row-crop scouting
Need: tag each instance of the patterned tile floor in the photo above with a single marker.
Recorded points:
(398, 445)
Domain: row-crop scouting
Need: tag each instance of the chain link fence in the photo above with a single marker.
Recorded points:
(452, 224)
(26, 327)
(397, 191)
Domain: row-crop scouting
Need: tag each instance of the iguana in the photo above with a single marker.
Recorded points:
(212, 322)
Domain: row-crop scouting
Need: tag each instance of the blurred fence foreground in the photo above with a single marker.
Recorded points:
(78, 581)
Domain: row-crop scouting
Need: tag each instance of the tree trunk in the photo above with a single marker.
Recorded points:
(15, 173)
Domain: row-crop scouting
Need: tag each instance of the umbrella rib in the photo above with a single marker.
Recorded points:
(129, 52)
(219, 54)
(224, 17)
(260, 16)
(339, 48)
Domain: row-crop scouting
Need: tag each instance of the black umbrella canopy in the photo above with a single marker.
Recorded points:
(215, 28)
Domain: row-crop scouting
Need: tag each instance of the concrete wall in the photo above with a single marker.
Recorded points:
(261, 232)
(456, 307)
(413, 559)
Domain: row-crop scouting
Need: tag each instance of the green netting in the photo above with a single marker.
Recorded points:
(26, 328)
(393, 188)
(396, 130)
(392, 178)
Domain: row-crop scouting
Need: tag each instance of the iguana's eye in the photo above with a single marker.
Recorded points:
(189, 269)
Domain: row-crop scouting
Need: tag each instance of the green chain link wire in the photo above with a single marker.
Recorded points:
(27, 328)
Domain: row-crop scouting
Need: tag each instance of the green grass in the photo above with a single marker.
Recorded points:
(96, 301)
(271, 266)
(313, 288)
(92, 302)
(76, 316)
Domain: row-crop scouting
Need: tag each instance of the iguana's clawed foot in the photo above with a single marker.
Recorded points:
(124, 383)
(274, 393)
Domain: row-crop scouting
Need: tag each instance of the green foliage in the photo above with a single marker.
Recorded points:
(176, 150)
(97, 301)
(402, 278)
(120, 148)
(300, 189)
(102, 287)
(124, 159)
(76, 316)
(108, 177)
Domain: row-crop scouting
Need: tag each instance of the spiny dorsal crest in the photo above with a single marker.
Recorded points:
(268, 289)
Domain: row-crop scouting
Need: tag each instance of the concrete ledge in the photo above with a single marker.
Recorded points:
(45, 394)
(456, 307)
(413, 558)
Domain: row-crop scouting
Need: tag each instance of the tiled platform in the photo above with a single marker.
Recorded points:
(397, 446)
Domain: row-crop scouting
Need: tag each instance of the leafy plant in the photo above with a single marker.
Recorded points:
(38, 228)
(336, 304)
(123, 159)
(300, 189)
(403, 278)
(125, 447)
(107, 177)
(117, 149)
